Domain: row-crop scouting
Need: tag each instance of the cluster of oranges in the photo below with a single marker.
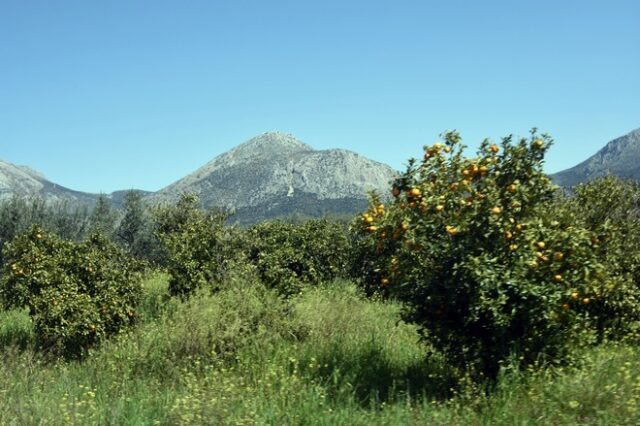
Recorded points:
(369, 218)
(18, 271)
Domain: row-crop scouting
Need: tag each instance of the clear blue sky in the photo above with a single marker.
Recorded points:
(105, 95)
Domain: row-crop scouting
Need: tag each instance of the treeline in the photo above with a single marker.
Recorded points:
(131, 226)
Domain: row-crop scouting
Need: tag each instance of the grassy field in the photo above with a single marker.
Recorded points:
(328, 356)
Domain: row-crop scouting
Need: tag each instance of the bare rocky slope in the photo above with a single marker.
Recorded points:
(23, 181)
(275, 174)
(620, 157)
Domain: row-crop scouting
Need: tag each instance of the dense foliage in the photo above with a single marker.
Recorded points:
(76, 293)
(135, 230)
(483, 258)
(610, 208)
(18, 214)
(290, 256)
(201, 250)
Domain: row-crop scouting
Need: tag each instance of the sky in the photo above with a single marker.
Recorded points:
(108, 95)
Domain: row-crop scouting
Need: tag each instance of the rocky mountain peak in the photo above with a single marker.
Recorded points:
(270, 144)
(275, 174)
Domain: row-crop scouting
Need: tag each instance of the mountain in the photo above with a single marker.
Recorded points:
(620, 157)
(275, 174)
(23, 181)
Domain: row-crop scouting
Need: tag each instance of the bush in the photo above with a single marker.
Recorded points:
(487, 265)
(76, 293)
(289, 256)
(610, 208)
(202, 251)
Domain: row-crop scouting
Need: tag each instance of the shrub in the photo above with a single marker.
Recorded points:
(610, 208)
(202, 251)
(76, 293)
(289, 256)
(485, 264)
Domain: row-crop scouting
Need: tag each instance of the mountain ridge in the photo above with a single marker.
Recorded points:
(275, 174)
(620, 157)
(270, 175)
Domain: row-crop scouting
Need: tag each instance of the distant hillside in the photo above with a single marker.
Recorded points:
(275, 174)
(23, 181)
(620, 157)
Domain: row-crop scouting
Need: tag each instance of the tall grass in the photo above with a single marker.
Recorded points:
(327, 356)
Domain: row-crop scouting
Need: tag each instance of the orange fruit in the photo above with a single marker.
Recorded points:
(496, 210)
(414, 192)
(585, 301)
(508, 235)
(451, 230)
(511, 188)
(439, 208)
(541, 245)
(575, 295)
(557, 278)
(494, 148)
(558, 256)
(565, 306)
(538, 143)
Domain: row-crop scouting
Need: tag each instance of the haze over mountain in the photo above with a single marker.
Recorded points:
(275, 174)
(620, 157)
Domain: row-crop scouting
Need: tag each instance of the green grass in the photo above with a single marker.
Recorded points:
(329, 356)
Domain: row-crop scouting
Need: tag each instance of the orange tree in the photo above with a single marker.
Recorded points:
(610, 208)
(290, 256)
(485, 263)
(200, 250)
(76, 293)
